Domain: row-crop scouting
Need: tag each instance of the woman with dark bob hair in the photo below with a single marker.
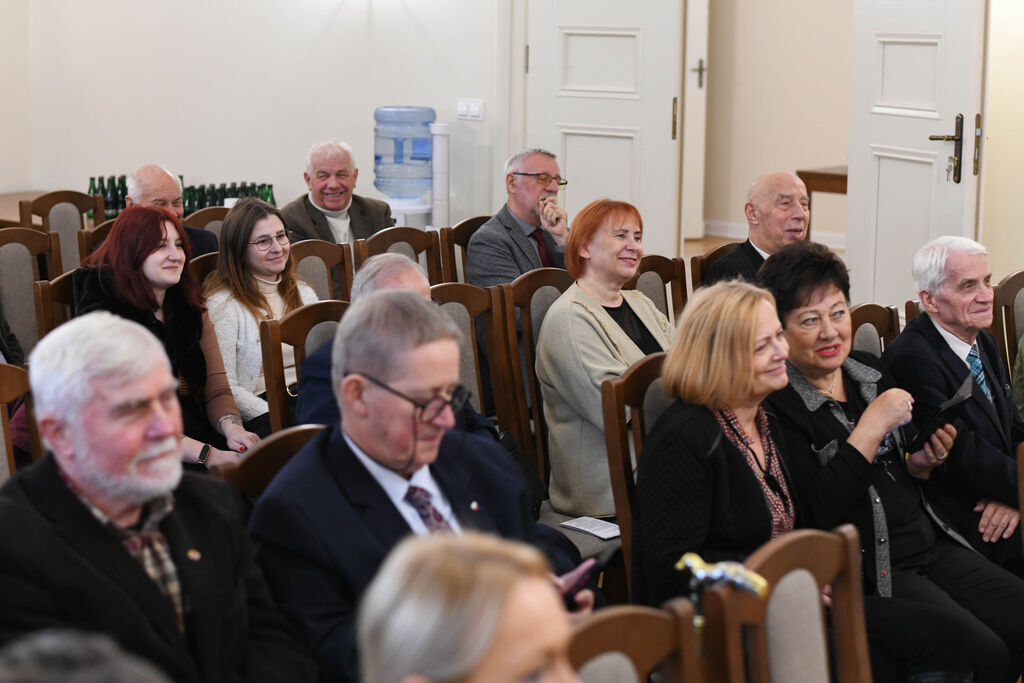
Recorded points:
(140, 272)
(594, 331)
(846, 451)
(254, 280)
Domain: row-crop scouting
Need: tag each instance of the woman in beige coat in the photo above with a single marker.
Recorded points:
(593, 332)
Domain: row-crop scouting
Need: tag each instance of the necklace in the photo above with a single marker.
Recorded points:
(831, 393)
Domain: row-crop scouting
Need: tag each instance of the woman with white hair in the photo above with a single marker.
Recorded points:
(470, 608)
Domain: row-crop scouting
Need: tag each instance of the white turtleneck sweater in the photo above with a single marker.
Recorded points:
(338, 220)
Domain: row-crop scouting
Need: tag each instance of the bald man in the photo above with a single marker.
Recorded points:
(777, 211)
(153, 185)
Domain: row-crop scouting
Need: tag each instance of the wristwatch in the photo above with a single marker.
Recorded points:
(204, 454)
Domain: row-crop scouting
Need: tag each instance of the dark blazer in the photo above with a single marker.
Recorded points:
(202, 241)
(982, 462)
(324, 526)
(317, 404)
(62, 568)
(742, 262)
(366, 216)
(694, 492)
(499, 251)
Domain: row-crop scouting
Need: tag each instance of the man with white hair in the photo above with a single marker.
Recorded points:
(530, 230)
(778, 209)
(976, 488)
(153, 185)
(106, 534)
(330, 211)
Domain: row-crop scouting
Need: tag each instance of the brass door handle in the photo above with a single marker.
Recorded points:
(958, 140)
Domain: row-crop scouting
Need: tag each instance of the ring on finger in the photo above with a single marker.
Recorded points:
(942, 457)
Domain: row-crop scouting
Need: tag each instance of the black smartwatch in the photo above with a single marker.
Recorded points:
(204, 454)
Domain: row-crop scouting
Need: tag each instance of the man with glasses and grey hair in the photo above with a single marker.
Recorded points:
(331, 210)
(530, 230)
(106, 534)
(976, 488)
(393, 466)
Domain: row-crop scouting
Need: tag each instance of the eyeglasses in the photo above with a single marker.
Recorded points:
(263, 243)
(545, 178)
(431, 409)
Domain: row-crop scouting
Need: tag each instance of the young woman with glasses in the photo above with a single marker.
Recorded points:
(140, 272)
(254, 280)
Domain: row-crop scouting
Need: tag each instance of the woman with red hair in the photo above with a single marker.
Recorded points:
(593, 332)
(140, 273)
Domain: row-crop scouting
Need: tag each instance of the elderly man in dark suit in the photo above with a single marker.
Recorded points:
(392, 467)
(330, 211)
(106, 534)
(777, 212)
(976, 488)
(153, 185)
(530, 230)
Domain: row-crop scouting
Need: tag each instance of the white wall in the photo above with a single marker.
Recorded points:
(226, 90)
(15, 131)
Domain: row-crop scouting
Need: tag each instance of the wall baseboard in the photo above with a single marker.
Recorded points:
(738, 231)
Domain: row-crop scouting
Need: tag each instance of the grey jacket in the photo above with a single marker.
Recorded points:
(500, 251)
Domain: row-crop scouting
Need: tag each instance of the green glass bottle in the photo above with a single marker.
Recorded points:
(92, 190)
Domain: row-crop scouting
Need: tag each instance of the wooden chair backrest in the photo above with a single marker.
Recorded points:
(203, 265)
(409, 241)
(63, 212)
(458, 236)
(524, 417)
(55, 300)
(1006, 324)
(884, 319)
(26, 255)
(211, 218)
(650, 638)
(653, 275)
(631, 404)
(700, 263)
(14, 384)
(466, 304)
(326, 266)
(295, 328)
(89, 239)
(257, 468)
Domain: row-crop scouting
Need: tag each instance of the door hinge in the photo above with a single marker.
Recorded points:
(526, 59)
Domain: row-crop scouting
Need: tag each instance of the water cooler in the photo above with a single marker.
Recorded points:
(410, 159)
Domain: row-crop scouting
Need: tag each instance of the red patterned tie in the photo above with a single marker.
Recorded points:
(542, 248)
(419, 498)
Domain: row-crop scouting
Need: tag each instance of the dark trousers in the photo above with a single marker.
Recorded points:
(986, 600)
(908, 638)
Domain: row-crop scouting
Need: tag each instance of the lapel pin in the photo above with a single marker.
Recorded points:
(193, 555)
(474, 506)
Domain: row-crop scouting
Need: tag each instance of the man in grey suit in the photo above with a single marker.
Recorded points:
(530, 230)
(330, 211)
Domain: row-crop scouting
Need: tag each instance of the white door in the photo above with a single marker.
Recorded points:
(916, 66)
(604, 92)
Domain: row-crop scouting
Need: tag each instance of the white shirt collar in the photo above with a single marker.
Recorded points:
(956, 344)
(764, 254)
(395, 486)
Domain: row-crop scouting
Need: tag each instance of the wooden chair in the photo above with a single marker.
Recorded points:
(527, 299)
(89, 239)
(300, 328)
(326, 266)
(700, 263)
(466, 304)
(631, 405)
(26, 255)
(63, 212)
(1006, 324)
(409, 241)
(911, 309)
(14, 384)
(885, 326)
(55, 300)
(203, 265)
(653, 275)
(211, 218)
(783, 637)
(458, 236)
(257, 468)
(649, 638)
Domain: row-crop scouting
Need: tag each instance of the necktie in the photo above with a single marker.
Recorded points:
(974, 360)
(542, 248)
(419, 498)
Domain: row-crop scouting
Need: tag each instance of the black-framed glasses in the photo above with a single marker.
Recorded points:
(545, 178)
(432, 408)
(263, 243)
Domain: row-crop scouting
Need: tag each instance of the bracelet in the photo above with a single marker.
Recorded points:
(204, 454)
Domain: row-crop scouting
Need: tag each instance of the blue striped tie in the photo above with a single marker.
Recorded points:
(974, 360)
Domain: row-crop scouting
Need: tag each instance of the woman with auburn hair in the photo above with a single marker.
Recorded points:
(593, 332)
(468, 609)
(710, 479)
(140, 273)
(255, 280)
